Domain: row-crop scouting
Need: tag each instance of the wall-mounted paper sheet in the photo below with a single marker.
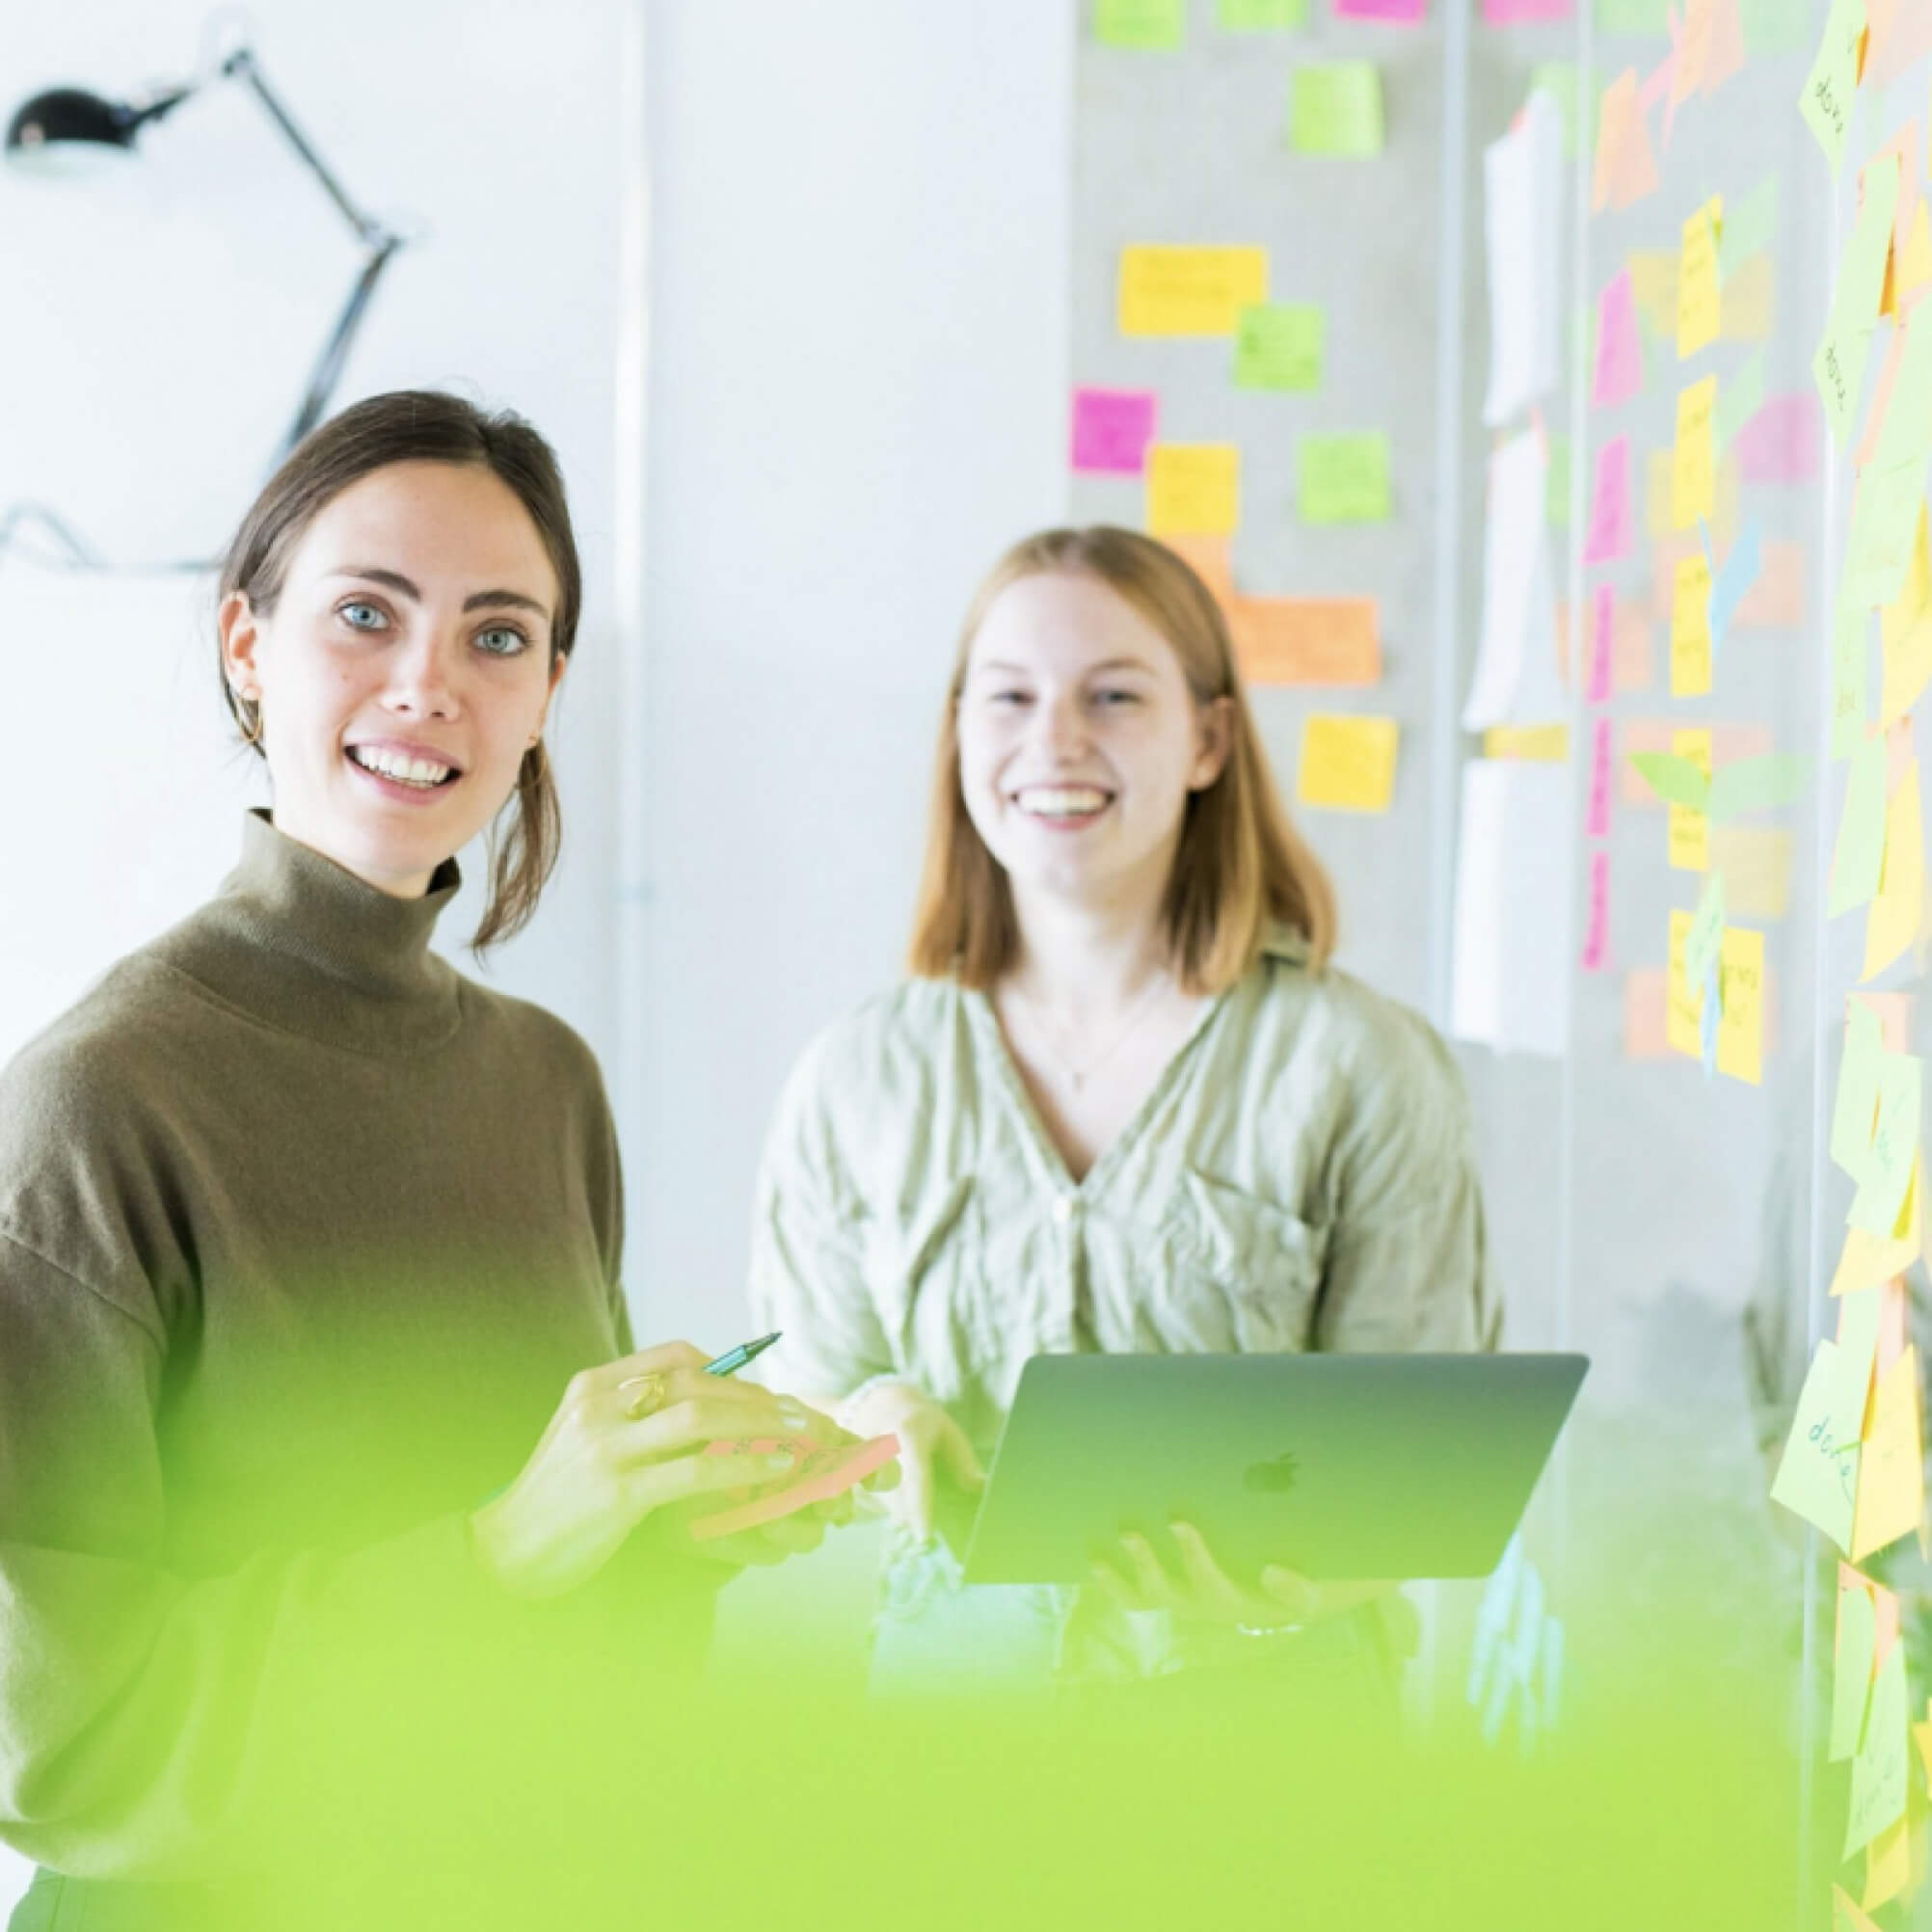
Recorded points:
(1522, 178)
(1515, 678)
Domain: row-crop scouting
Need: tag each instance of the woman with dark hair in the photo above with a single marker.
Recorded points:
(305, 1239)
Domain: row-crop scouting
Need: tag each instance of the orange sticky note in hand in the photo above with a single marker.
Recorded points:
(817, 1475)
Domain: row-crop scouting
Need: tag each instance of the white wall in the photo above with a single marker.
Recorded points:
(858, 397)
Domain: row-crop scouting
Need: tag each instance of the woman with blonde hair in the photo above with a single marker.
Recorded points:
(1123, 1103)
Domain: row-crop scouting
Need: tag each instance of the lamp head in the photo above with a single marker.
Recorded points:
(68, 129)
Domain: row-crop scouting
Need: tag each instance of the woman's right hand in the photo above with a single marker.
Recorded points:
(596, 1473)
(931, 1445)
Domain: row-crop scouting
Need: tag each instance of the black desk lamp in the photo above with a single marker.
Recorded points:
(66, 125)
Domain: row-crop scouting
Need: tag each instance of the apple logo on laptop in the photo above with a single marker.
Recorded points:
(1271, 1477)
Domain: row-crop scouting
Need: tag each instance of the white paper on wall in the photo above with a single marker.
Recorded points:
(1516, 681)
(1522, 183)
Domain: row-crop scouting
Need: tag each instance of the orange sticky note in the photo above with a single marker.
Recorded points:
(1776, 602)
(1626, 164)
(1305, 640)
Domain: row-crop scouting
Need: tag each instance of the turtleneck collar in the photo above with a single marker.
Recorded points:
(302, 943)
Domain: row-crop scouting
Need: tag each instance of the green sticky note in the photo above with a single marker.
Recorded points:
(1278, 345)
(1883, 1765)
(1152, 26)
(1706, 933)
(1894, 1142)
(1558, 80)
(1851, 659)
(1775, 26)
(1826, 102)
(1884, 524)
(1632, 17)
(1335, 108)
(1556, 486)
(1857, 1101)
(1740, 400)
(1261, 17)
(1906, 433)
(1860, 851)
(1344, 479)
(1851, 1671)
(1818, 1476)
(1748, 227)
(1839, 366)
(1676, 780)
(1758, 784)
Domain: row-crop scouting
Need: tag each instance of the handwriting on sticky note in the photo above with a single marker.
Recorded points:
(1194, 489)
(1347, 764)
(1344, 479)
(1817, 1475)
(1189, 291)
(1112, 429)
(1740, 1033)
(1694, 456)
(1689, 833)
(1894, 1145)
(1839, 366)
(1690, 628)
(1826, 101)
(1278, 346)
(1334, 107)
(1698, 288)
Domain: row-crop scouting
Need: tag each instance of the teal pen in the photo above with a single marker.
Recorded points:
(733, 1359)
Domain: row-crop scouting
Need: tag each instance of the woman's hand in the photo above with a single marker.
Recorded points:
(1287, 1600)
(600, 1468)
(931, 1445)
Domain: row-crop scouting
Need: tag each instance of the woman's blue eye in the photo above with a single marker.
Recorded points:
(517, 641)
(1119, 697)
(1001, 697)
(343, 611)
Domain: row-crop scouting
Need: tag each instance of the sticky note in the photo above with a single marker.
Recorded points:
(1694, 456)
(1688, 47)
(1901, 34)
(1189, 291)
(1853, 1665)
(1620, 356)
(1519, 13)
(1348, 764)
(1740, 1033)
(1868, 1261)
(1901, 426)
(1845, 1914)
(1888, 1865)
(1859, 854)
(1305, 640)
(1690, 628)
(1755, 861)
(1697, 288)
(1344, 479)
(1260, 16)
(1603, 763)
(1602, 645)
(1625, 165)
(1736, 575)
(1750, 302)
(1740, 399)
(1894, 1145)
(1826, 101)
(1112, 429)
(1334, 107)
(1541, 744)
(1891, 1496)
(1647, 18)
(1817, 1475)
(1597, 933)
(1397, 13)
(1653, 282)
(1278, 346)
(1758, 784)
(1839, 366)
(1705, 938)
(1194, 487)
(1724, 46)
(1906, 633)
(1689, 828)
(1683, 1002)
(1899, 908)
(1885, 512)
(1775, 26)
(1855, 1108)
(1609, 534)
(1777, 600)
(1850, 653)
(1781, 443)
(1676, 779)
(1156, 26)
(1748, 227)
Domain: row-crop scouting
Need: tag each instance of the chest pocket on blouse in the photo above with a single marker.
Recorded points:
(914, 1266)
(1258, 1267)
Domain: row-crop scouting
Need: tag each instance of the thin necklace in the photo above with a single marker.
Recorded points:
(1050, 1035)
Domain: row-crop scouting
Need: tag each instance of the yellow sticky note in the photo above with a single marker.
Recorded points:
(1542, 745)
(1867, 1259)
(1890, 1494)
(1893, 921)
(1888, 1865)
(1683, 1002)
(1194, 489)
(1348, 764)
(1653, 282)
(1689, 828)
(1690, 628)
(1741, 1025)
(1693, 455)
(1755, 861)
(1189, 291)
(1906, 627)
(1699, 298)
(1750, 301)
(1914, 268)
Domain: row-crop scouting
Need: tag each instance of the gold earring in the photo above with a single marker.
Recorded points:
(242, 698)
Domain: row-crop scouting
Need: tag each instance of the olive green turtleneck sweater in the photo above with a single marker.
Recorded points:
(302, 1234)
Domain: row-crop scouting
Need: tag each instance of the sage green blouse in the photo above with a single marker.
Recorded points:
(1301, 1176)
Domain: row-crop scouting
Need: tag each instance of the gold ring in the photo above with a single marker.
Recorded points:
(650, 1396)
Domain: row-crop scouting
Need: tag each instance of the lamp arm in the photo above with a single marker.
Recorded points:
(328, 368)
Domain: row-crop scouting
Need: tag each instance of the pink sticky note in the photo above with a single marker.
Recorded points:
(1620, 354)
(1596, 940)
(1602, 645)
(1511, 13)
(1112, 429)
(822, 1474)
(1603, 769)
(1610, 504)
(1779, 444)
(1400, 12)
